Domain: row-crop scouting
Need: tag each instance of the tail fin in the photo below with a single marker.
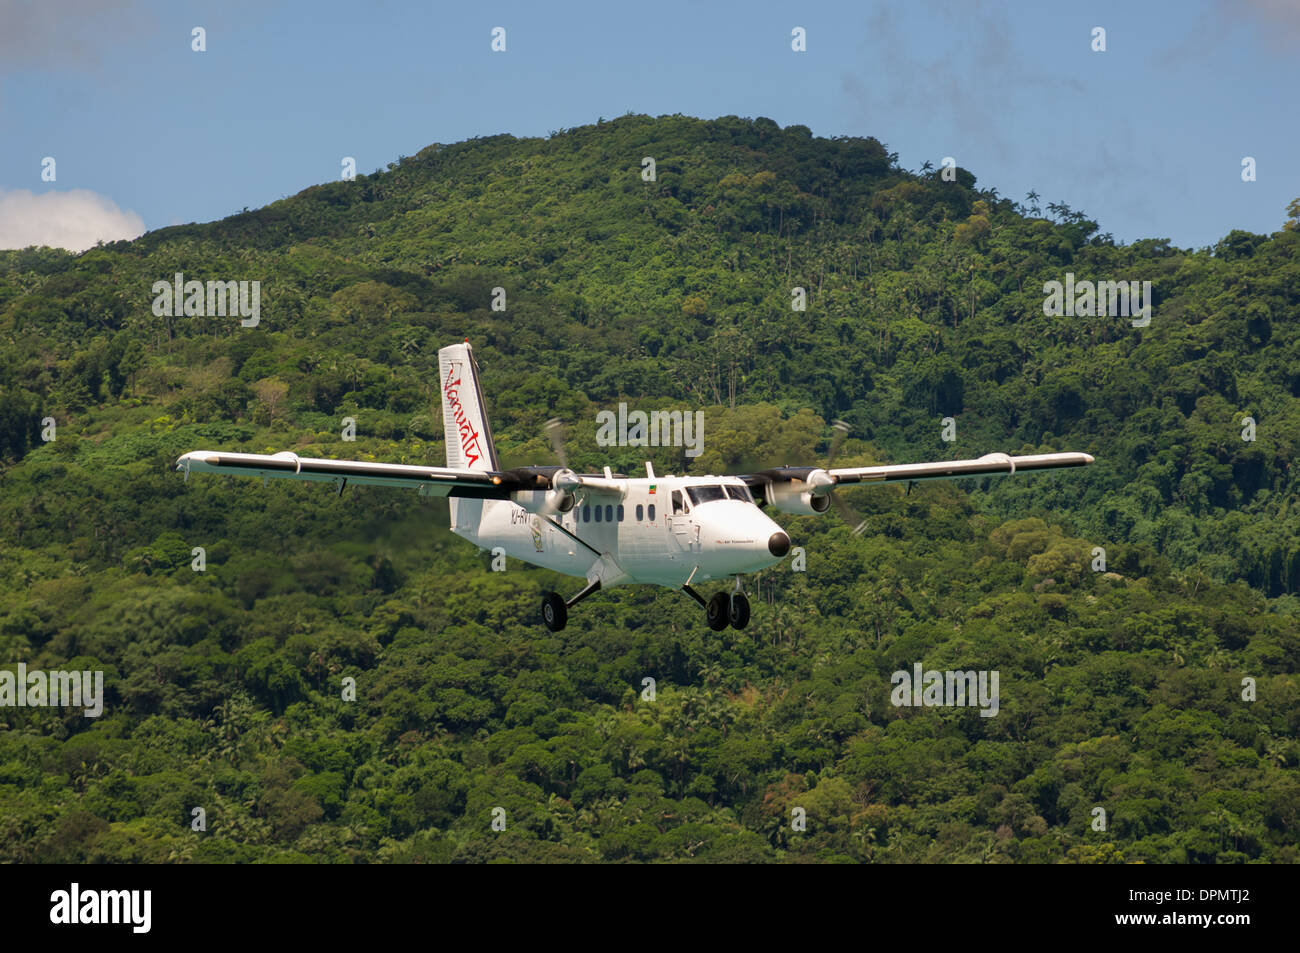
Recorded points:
(464, 413)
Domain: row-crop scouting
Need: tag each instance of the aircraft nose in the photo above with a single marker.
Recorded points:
(778, 544)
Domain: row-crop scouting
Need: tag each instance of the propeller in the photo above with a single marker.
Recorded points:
(555, 430)
(560, 498)
(837, 440)
(842, 507)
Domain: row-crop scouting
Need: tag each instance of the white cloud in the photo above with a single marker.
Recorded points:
(74, 220)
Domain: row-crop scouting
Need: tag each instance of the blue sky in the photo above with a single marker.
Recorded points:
(1147, 137)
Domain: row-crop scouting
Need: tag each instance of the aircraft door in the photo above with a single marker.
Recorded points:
(684, 531)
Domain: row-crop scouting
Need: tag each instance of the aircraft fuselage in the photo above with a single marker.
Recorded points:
(667, 530)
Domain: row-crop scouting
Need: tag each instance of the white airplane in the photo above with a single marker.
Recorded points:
(608, 528)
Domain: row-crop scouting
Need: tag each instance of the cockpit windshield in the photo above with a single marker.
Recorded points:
(705, 494)
(708, 494)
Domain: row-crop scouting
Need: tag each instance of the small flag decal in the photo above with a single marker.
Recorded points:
(652, 489)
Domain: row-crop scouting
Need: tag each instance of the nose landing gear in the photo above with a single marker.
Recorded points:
(716, 612)
(738, 608)
(724, 609)
(738, 615)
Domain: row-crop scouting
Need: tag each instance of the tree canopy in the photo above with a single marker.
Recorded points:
(226, 689)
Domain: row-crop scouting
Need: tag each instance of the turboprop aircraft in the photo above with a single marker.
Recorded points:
(612, 530)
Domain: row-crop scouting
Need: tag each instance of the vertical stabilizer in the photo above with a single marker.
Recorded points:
(466, 430)
(464, 413)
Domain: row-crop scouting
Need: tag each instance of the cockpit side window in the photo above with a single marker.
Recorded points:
(739, 493)
(677, 501)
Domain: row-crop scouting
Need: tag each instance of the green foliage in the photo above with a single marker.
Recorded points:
(1120, 689)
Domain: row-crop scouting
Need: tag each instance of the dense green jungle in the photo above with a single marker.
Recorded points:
(1143, 613)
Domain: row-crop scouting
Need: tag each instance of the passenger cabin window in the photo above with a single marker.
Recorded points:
(705, 494)
(739, 493)
(609, 512)
(652, 512)
(620, 512)
(586, 514)
(598, 514)
(640, 512)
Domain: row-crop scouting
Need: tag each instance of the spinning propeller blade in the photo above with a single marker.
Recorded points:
(555, 430)
(842, 507)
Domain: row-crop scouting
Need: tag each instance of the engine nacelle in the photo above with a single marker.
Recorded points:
(796, 497)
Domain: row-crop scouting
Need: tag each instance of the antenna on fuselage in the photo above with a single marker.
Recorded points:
(649, 470)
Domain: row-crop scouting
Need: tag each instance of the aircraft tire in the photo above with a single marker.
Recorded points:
(555, 614)
(738, 615)
(717, 612)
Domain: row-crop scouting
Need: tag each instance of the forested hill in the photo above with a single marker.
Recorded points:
(657, 262)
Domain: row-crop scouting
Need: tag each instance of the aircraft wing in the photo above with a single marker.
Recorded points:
(819, 481)
(431, 481)
(991, 464)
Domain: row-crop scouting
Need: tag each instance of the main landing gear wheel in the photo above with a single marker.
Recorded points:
(554, 612)
(718, 612)
(738, 615)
